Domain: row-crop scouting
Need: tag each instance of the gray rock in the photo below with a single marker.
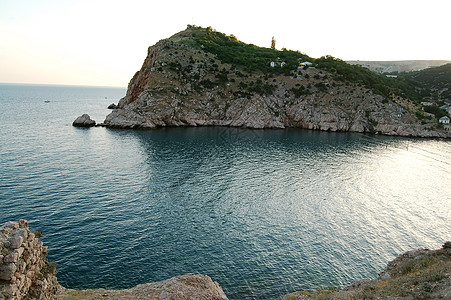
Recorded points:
(13, 256)
(188, 286)
(11, 224)
(21, 232)
(15, 242)
(84, 121)
(7, 271)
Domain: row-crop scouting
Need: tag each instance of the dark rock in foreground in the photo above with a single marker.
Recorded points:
(84, 121)
(113, 106)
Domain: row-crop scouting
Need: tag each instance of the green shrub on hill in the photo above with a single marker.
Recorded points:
(435, 110)
(249, 57)
(432, 83)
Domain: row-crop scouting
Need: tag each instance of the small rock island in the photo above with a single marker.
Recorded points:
(84, 121)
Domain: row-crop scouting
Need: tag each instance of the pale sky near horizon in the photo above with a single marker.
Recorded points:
(103, 43)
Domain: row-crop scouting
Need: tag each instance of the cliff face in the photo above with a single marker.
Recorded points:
(182, 84)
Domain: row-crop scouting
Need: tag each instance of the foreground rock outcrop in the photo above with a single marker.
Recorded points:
(188, 286)
(182, 84)
(25, 272)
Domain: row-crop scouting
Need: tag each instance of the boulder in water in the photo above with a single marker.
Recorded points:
(84, 121)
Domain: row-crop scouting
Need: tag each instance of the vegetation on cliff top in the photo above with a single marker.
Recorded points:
(247, 56)
(252, 58)
(416, 86)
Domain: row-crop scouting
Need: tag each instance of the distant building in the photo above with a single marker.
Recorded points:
(392, 76)
(447, 127)
(306, 63)
(444, 120)
(427, 103)
(272, 64)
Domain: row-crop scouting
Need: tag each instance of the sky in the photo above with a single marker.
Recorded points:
(104, 42)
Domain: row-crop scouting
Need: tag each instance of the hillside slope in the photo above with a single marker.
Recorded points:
(200, 77)
(432, 83)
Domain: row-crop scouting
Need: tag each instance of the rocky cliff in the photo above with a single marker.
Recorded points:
(183, 82)
(25, 272)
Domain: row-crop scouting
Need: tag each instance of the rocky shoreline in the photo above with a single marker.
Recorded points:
(124, 119)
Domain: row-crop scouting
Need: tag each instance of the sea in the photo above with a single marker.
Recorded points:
(262, 212)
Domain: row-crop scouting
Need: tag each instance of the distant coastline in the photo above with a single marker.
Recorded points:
(398, 65)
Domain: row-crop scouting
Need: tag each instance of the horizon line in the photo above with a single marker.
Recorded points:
(62, 84)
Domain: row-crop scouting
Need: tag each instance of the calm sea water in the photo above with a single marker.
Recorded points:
(263, 212)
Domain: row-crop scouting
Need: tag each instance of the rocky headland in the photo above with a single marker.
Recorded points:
(25, 273)
(198, 78)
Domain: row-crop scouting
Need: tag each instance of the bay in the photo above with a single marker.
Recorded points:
(263, 212)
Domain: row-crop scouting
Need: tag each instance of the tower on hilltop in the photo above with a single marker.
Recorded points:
(273, 43)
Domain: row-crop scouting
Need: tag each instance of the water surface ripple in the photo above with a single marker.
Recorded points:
(263, 212)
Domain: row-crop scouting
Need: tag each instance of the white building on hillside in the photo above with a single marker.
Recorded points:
(444, 120)
(306, 63)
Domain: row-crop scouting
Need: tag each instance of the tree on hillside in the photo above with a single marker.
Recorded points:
(273, 43)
